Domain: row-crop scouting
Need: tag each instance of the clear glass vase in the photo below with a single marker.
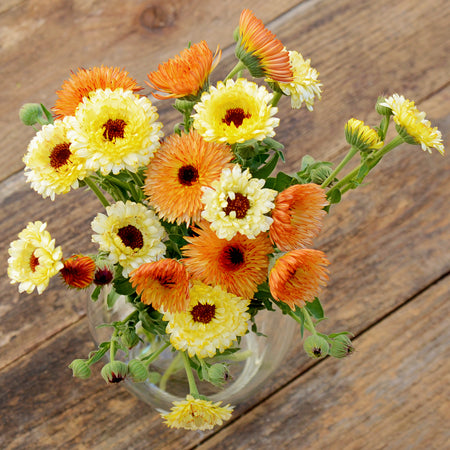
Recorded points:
(261, 354)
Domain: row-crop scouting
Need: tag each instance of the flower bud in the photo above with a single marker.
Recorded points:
(320, 174)
(218, 374)
(361, 136)
(382, 109)
(341, 346)
(114, 371)
(316, 346)
(129, 338)
(137, 370)
(103, 275)
(80, 369)
(31, 113)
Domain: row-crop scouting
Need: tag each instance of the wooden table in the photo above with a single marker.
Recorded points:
(388, 242)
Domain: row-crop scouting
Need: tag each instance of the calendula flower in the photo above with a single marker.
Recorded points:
(235, 111)
(213, 321)
(78, 271)
(186, 74)
(131, 234)
(33, 258)
(115, 130)
(297, 216)
(85, 81)
(237, 203)
(163, 284)
(197, 414)
(180, 168)
(297, 276)
(238, 265)
(51, 167)
(412, 122)
(304, 86)
(261, 52)
(362, 136)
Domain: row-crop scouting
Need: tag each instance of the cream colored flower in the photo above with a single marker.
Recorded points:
(34, 258)
(131, 233)
(212, 322)
(238, 203)
(235, 112)
(115, 130)
(197, 414)
(50, 164)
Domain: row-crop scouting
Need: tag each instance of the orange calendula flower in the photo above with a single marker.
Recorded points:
(297, 276)
(297, 216)
(162, 284)
(186, 74)
(85, 81)
(78, 271)
(180, 168)
(238, 265)
(261, 52)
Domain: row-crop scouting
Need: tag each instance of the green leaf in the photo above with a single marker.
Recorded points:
(96, 293)
(123, 286)
(102, 349)
(307, 160)
(112, 298)
(363, 171)
(334, 195)
(265, 171)
(315, 309)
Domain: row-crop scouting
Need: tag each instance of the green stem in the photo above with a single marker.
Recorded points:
(170, 370)
(308, 322)
(137, 179)
(113, 346)
(190, 376)
(351, 153)
(94, 188)
(153, 356)
(239, 66)
(276, 98)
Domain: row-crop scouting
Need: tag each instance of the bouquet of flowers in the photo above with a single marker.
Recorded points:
(197, 234)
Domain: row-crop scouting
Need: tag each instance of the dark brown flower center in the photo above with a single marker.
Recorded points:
(231, 258)
(114, 128)
(240, 205)
(131, 237)
(203, 313)
(187, 175)
(236, 116)
(103, 276)
(34, 262)
(60, 155)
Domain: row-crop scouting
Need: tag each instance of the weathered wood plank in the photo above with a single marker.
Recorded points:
(389, 394)
(41, 43)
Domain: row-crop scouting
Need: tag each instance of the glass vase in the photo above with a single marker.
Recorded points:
(260, 354)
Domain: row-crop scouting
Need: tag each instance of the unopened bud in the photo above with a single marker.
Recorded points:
(80, 369)
(137, 370)
(320, 174)
(129, 338)
(103, 275)
(31, 113)
(218, 374)
(316, 346)
(382, 109)
(341, 346)
(114, 371)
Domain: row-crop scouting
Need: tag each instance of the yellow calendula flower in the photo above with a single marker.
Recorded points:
(305, 86)
(34, 258)
(412, 121)
(235, 111)
(51, 167)
(362, 136)
(238, 203)
(131, 233)
(115, 130)
(197, 414)
(212, 322)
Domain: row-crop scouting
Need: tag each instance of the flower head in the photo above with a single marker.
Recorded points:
(186, 74)
(212, 322)
(297, 276)
(163, 284)
(78, 271)
(86, 81)
(238, 265)
(362, 136)
(297, 216)
(181, 167)
(304, 86)
(115, 130)
(33, 258)
(197, 414)
(411, 121)
(261, 52)
(235, 112)
(131, 234)
(51, 167)
(238, 203)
